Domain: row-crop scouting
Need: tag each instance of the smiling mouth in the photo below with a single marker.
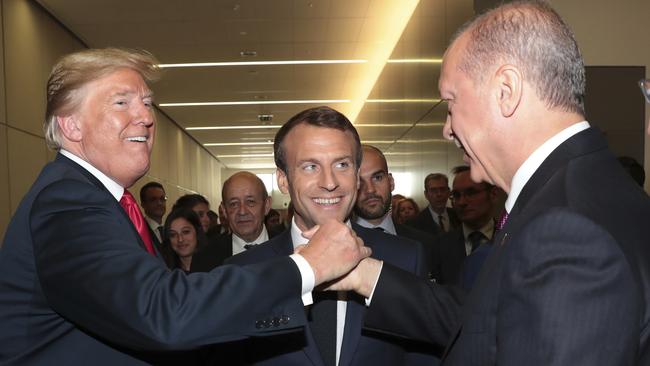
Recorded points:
(137, 139)
(327, 201)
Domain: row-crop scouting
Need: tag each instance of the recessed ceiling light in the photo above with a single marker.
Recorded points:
(261, 63)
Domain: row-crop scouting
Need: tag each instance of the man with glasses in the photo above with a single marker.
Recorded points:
(474, 204)
(437, 218)
(153, 200)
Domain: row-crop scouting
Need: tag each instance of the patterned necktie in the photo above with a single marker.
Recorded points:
(502, 220)
(133, 211)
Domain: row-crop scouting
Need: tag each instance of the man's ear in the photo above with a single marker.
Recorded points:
(509, 83)
(267, 205)
(69, 127)
(283, 181)
(392, 181)
(225, 212)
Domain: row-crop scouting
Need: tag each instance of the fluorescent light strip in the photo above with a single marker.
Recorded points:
(261, 127)
(238, 143)
(232, 127)
(310, 101)
(416, 61)
(402, 100)
(261, 63)
(423, 141)
(246, 156)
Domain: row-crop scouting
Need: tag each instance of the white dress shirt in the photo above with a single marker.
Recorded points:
(535, 160)
(238, 243)
(341, 303)
(436, 217)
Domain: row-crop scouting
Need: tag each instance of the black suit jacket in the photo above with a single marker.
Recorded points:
(426, 239)
(216, 252)
(78, 288)
(567, 281)
(424, 222)
(359, 347)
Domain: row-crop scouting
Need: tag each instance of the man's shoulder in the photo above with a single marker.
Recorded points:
(414, 233)
(278, 245)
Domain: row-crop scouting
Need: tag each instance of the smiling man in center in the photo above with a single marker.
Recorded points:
(318, 154)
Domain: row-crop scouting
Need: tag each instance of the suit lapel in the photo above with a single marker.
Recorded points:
(584, 142)
(116, 205)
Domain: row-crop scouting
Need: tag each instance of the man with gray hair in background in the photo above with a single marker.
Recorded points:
(568, 279)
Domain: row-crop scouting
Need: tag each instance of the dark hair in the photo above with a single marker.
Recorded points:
(633, 168)
(435, 176)
(464, 168)
(532, 36)
(144, 188)
(323, 116)
(191, 217)
(189, 201)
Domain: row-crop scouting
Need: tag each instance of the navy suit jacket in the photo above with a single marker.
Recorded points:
(567, 281)
(359, 346)
(78, 288)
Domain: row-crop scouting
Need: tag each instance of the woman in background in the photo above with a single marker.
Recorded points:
(407, 209)
(184, 235)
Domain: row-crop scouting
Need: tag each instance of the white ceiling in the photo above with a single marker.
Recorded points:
(187, 31)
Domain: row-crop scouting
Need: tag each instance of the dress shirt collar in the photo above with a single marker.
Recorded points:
(153, 224)
(435, 215)
(487, 230)
(386, 224)
(296, 234)
(238, 243)
(116, 190)
(535, 160)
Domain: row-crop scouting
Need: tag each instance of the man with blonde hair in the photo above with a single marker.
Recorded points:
(81, 282)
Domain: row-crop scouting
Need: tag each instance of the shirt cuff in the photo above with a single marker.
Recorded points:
(307, 276)
(369, 299)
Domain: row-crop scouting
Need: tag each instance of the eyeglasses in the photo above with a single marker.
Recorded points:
(157, 199)
(469, 193)
(644, 84)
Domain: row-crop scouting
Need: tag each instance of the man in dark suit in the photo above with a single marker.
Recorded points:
(568, 279)
(246, 203)
(153, 200)
(318, 153)
(474, 204)
(80, 283)
(374, 200)
(436, 218)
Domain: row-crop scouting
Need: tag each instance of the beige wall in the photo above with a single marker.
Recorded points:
(611, 33)
(31, 42)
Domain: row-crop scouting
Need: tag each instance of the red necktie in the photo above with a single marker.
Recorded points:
(131, 207)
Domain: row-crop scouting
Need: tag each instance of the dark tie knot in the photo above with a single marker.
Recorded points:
(476, 238)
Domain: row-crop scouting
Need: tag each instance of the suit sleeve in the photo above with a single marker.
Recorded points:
(413, 307)
(569, 296)
(95, 275)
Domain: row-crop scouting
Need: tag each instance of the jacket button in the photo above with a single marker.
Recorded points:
(258, 324)
(267, 323)
(276, 321)
(285, 319)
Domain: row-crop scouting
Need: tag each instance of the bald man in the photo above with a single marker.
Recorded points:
(245, 203)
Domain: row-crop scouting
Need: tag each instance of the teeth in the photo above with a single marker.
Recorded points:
(137, 138)
(327, 201)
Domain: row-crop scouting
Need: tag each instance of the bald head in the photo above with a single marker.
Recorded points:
(246, 202)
